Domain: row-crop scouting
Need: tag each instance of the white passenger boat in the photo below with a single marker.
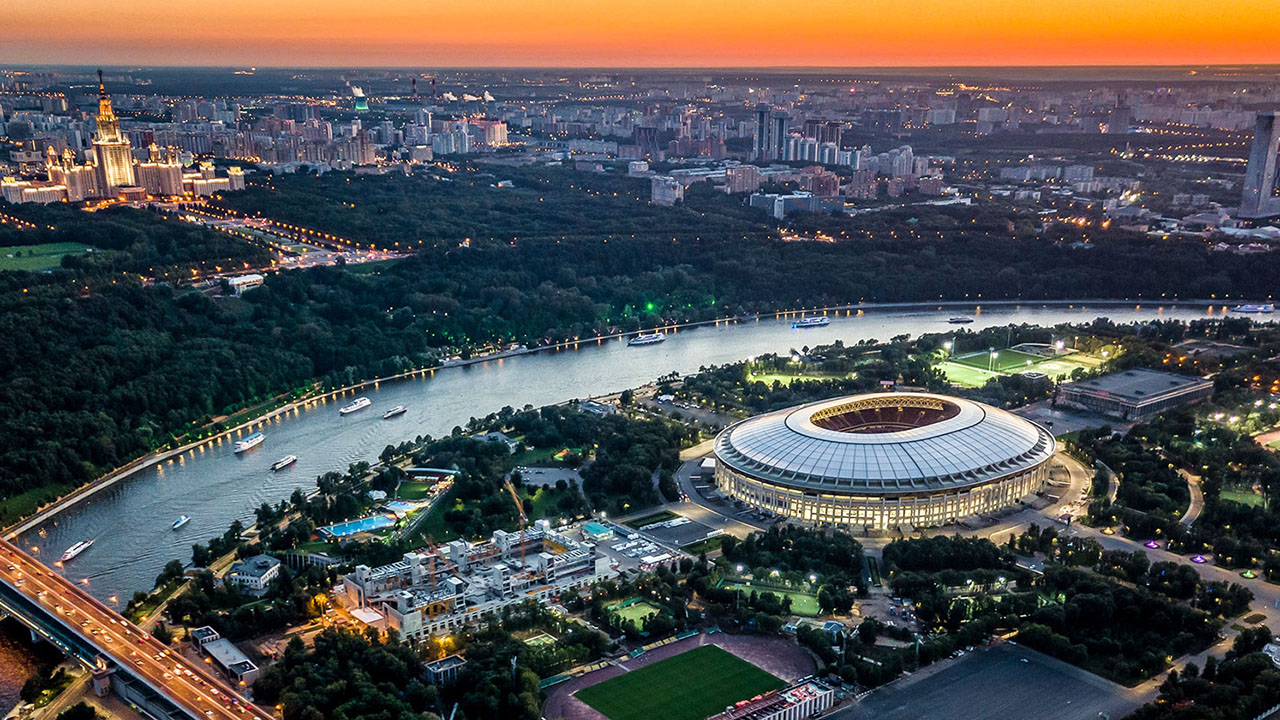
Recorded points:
(650, 339)
(250, 442)
(284, 462)
(76, 549)
(820, 321)
(182, 520)
(359, 403)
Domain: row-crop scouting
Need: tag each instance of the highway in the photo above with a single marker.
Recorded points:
(187, 684)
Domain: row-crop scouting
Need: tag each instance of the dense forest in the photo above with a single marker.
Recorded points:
(100, 367)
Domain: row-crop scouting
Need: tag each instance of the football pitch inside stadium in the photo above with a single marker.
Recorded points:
(688, 686)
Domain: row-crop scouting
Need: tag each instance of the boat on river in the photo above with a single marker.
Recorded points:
(250, 442)
(76, 549)
(359, 403)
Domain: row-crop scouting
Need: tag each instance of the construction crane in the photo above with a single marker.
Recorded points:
(524, 519)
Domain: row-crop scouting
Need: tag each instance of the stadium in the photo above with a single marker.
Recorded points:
(883, 460)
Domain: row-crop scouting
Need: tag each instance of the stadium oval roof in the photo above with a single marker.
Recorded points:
(884, 443)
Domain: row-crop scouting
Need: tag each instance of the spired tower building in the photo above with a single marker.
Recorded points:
(111, 149)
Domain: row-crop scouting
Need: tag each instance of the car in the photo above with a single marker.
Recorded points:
(167, 676)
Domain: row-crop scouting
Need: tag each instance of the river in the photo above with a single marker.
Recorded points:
(130, 521)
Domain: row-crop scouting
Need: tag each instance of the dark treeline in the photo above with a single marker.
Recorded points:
(98, 369)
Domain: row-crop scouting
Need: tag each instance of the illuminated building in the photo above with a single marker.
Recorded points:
(111, 149)
(883, 460)
(161, 175)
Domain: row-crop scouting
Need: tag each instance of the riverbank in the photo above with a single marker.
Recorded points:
(87, 491)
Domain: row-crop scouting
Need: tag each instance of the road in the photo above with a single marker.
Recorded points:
(1197, 498)
(187, 684)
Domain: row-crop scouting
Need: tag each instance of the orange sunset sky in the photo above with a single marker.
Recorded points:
(640, 32)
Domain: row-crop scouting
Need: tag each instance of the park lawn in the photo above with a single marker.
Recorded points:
(29, 501)
(546, 501)
(802, 603)
(35, 258)
(1274, 445)
(636, 612)
(1244, 497)
(708, 545)
(432, 527)
(966, 376)
(688, 686)
(786, 379)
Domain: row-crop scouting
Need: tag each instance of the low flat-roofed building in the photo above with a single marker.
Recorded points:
(254, 575)
(444, 671)
(595, 532)
(201, 636)
(1136, 395)
(235, 664)
(241, 283)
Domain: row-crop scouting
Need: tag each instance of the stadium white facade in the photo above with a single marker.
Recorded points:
(883, 460)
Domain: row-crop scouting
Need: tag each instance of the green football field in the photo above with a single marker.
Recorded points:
(802, 603)
(965, 375)
(688, 686)
(1006, 361)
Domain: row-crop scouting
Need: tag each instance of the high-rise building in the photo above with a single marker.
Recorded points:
(760, 148)
(779, 132)
(1261, 194)
(110, 148)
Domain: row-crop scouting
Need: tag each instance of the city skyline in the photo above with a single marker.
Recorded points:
(661, 33)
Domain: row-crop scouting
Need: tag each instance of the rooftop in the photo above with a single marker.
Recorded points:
(1139, 385)
(256, 566)
(883, 442)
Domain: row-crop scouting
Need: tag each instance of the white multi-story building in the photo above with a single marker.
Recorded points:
(455, 585)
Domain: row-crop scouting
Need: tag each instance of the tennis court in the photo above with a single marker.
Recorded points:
(368, 524)
(636, 610)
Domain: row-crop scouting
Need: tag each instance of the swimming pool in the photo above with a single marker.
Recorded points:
(373, 522)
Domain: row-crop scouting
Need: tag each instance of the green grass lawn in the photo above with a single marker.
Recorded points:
(965, 376)
(786, 379)
(637, 612)
(802, 603)
(35, 258)
(1063, 367)
(651, 518)
(688, 686)
(1274, 445)
(415, 490)
(1244, 497)
(1008, 361)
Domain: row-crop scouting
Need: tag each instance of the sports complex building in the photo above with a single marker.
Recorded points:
(883, 460)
